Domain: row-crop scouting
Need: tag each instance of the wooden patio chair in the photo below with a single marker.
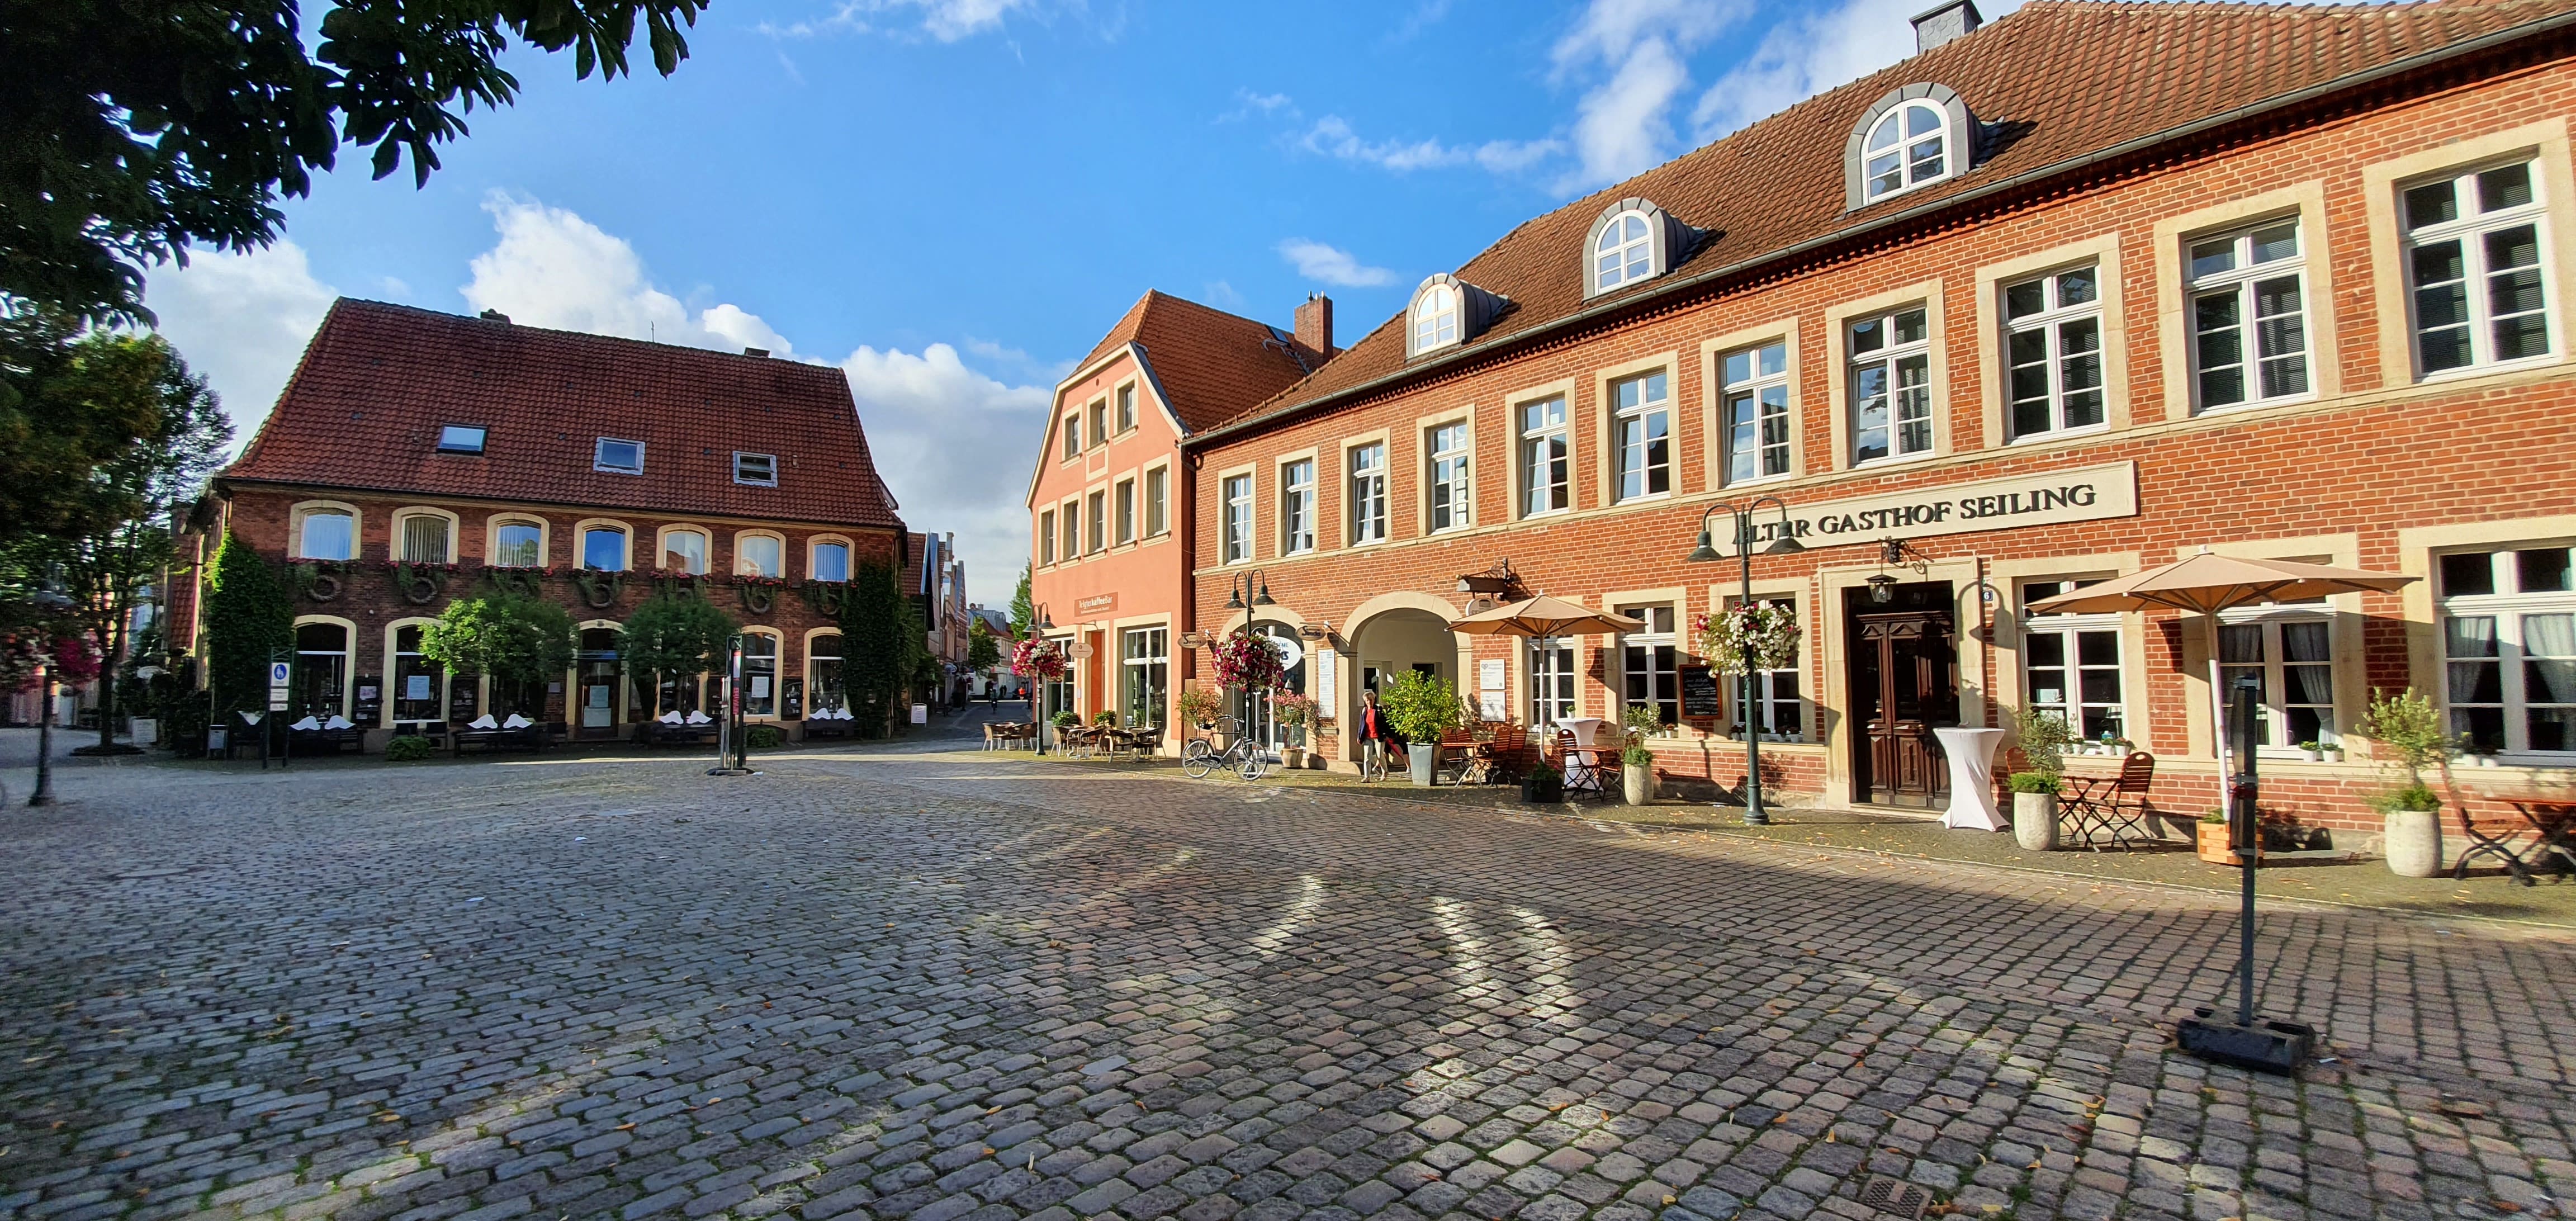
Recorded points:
(2116, 805)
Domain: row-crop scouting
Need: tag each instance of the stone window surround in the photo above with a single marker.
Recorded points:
(296, 513)
(394, 542)
(1838, 320)
(1994, 354)
(2546, 142)
(1422, 428)
(1712, 410)
(1600, 422)
(2171, 250)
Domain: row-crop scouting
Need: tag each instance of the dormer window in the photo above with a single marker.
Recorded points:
(1435, 318)
(618, 457)
(460, 439)
(1914, 136)
(758, 470)
(1622, 253)
(1447, 312)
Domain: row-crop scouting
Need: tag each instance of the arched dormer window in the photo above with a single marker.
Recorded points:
(1446, 312)
(1912, 137)
(1633, 240)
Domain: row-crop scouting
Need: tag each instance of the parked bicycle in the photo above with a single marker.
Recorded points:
(1241, 755)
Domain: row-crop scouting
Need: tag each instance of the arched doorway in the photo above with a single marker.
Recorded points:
(1296, 672)
(595, 702)
(1401, 639)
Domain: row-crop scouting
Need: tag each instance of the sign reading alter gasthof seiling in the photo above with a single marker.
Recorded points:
(2040, 498)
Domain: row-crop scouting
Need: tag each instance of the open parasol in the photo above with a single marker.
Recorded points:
(1543, 618)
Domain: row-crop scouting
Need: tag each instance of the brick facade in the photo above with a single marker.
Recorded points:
(2376, 468)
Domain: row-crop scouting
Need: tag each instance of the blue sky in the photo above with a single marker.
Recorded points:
(953, 199)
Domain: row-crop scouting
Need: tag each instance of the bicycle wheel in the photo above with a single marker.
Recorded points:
(1197, 760)
(1253, 765)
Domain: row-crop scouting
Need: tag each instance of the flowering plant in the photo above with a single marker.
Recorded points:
(1042, 658)
(29, 649)
(1770, 632)
(1246, 661)
(1293, 710)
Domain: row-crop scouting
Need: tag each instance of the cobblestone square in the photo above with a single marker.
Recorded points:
(926, 985)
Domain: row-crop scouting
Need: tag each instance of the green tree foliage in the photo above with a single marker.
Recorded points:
(247, 617)
(875, 625)
(675, 637)
(983, 652)
(117, 537)
(61, 418)
(510, 637)
(1023, 612)
(130, 130)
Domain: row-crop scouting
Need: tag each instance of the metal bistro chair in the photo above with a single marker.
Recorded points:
(2116, 805)
(1588, 770)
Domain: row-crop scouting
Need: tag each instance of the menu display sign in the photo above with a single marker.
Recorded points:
(1701, 696)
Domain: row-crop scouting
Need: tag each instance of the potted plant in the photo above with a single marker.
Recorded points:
(1200, 706)
(2411, 728)
(1294, 713)
(1421, 707)
(1637, 772)
(2333, 751)
(1543, 784)
(2213, 844)
(1105, 718)
(2043, 738)
(2314, 752)
(2483, 754)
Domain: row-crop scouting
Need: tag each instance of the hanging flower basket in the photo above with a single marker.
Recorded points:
(1771, 632)
(1038, 658)
(1250, 662)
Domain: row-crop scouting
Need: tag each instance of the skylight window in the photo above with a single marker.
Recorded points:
(757, 469)
(619, 457)
(460, 439)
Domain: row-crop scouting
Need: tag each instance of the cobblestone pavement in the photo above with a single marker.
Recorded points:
(890, 984)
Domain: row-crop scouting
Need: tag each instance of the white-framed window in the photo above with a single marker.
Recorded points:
(685, 551)
(2249, 315)
(759, 555)
(1453, 489)
(518, 544)
(461, 438)
(1435, 318)
(2291, 649)
(604, 548)
(1297, 507)
(1775, 692)
(1099, 422)
(2053, 352)
(1546, 466)
(2071, 665)
(1146, 657)
(831, 561)
(2475, 269)
(418, 682)
(1755, 407)
(1551, 671)
(1908, 147)
(1368, 493)
(1237, 527)
(320, 683)
(1072, 435)
(1649, 662)
(1126, 511)
(759, 674)
(618, 457)
(1046, 537)
(424, 538)
(1158, 502)
(825, 688)
(1641, 426)
(1126, 407)
(758, 470)
(2509, 649)
(1071, 517)
(1891, 385)
(326, 534)
(1624, 253)
(1095, 535)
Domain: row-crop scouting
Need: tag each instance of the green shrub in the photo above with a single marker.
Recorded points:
(1105, 717)
(1635, 754)
(1641, 719)
(1067, 719)
(2416, 796)
(2032, 782)
(2043, 738)
(409, 748)
(764, 737)
(1421, 706)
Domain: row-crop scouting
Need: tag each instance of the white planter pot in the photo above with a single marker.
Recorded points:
(2316, 756)
(2482, 761)
(2334, 756)
(2414, 843)
(1638, 784)
(1293, 758)
(2035, 821)
(143, 730)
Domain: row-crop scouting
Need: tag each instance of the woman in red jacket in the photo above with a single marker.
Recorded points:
(1379, 742)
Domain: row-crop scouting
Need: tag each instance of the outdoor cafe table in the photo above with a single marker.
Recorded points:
(2555, 849)
(1581, 765)
(1972, 787)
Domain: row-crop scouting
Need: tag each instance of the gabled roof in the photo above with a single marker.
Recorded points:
(2053, 83)
(1211, 365)
(378, 382)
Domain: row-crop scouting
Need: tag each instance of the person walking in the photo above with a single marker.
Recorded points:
(1379, 744)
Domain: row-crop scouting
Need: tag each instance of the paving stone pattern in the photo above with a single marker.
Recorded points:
(967, 986)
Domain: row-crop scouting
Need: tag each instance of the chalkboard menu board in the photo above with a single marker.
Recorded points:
(460, 701)
(1700, 694)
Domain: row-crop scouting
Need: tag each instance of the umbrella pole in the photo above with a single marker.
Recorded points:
(2227, 806)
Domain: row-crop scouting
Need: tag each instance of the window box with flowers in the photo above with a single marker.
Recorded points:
(758, 593)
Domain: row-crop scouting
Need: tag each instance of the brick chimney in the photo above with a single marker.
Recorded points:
(1944, 22)
(1315, 324)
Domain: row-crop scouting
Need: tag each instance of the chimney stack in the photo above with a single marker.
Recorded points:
(493, 315)
(1945, 22)
(1315, 324)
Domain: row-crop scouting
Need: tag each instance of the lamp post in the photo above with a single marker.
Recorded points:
(1250, 592)
(1787, 544)
(51, 599)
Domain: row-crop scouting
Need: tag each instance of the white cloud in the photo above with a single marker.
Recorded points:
(945, 20)
(1332, 136)
(242, 320)
(1808, 53)
(552, 268)
(943, 436)
(1332, 265)
(1623, 123)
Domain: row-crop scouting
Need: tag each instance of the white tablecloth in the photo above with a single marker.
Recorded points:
(1972, 778)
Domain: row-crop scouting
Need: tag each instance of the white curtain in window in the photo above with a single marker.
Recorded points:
(2549, 645)
(2309, 679)
(2468, 637)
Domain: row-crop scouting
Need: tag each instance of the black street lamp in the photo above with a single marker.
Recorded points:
(1786, 544)
(53, 599)
(1242, 596)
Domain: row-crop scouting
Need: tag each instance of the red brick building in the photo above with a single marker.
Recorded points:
(2065, 297)
(418, 457)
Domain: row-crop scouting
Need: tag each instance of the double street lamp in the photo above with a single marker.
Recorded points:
(1786, 544)
(52, 599)
(1243, 596)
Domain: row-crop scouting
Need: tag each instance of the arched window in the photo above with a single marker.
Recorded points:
(518, 543)
(327, 534)
(824, 692)
(759, 555)
(1912, 136)
(1435, 318)
(1624, 252)
(685, 551)
(424, 537)
(418, 681)
(321, 669)
(604, 548)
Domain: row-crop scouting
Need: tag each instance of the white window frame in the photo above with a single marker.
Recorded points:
(1905, 147)
(1551, 426)
(2276, 739)
(2054, 323)
(2471, 229)
(492, 538)
(814, 553)
(1099, 422)
(662, 548)
(304, 515)
(1435, 319)
(1624, 253)
(756, 462)
(1095, 521)
(401, 541)
(1889, 359)
(2070, 631)
(1158, 501)
(1450, 492)
(1126, 396)
(625, 547)
(2242, 281)
(742, 542)
(1757, 387)
(1046, 537)
(1157, 640)
(599, 457)
(1122, 510)
(1635, 455)
(1553, 688)
(1297, 504)
(1366, 488)
(1234, 511)
(1652, 658)
(2508, 607)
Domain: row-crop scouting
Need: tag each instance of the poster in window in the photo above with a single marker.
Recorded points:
(1701, 698)
(791, 699)
(760, 686)
(415, 687)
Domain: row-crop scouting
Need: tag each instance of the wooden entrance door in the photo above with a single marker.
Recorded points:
(1904, 684)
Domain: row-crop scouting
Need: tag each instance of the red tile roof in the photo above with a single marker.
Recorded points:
(378, 381)
(2056, 80)
(1211, 365)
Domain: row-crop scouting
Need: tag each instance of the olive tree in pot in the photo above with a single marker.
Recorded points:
(1422, 707)
(1636, 763)
(2043, 738)
(2411, 728)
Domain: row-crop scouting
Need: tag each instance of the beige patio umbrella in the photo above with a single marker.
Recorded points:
(1543, 618)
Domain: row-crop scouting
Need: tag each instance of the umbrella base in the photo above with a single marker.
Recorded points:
(2266, 1046)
